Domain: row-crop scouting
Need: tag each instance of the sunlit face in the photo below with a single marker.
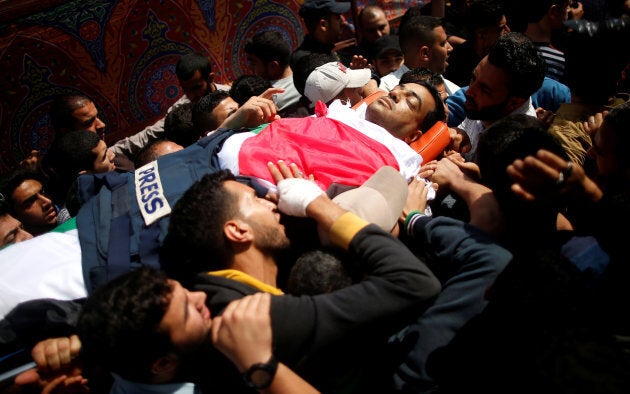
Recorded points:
(11, 231)
(187, 319)
(104, 161)
(262, 215)
(487, 96)
(439, 51)
(373, 26)
(221, 112)
(196, 87)
(389, 62)
(32, 207)
(86, 118)
(351, 95)
(402, 111)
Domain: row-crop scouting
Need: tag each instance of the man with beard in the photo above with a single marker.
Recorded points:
(501, 85)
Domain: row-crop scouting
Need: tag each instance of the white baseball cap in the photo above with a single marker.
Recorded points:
(328, 80)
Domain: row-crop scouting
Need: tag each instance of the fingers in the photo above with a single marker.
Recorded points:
(268, 94)
(27, 377)
(281, 171)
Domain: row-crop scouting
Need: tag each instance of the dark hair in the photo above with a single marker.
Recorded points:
(318, 272)
(439, 114)
(119, 324)
(202, 111)
(306, 65)
(62, 108)
(594, 78)
(69, 154)
(268, 46)
(416, 30)
(188, 64)
(312, 17)
(518, 57)
(13, 179)
(510, 138)
(195, 242)
(484, 13)
(149, 152)
(247, 86)
(179, 126)
(421, 74)
(72, 152)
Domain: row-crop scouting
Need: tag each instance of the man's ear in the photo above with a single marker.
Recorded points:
(165, 367)
(425, 51)
(210, 77)
(237, 231)
(413, 136)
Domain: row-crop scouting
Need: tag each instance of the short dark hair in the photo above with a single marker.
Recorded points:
(510, 138)
(179, 126)
(268, 46)
(119, 324)
(318, 272)
(13, 179)
(195, 242)
(518, 57)
(201, 111)
(421, 74)
(69, 154)
(247, 86)
(189, 63)
(62, 108)
(418, 29)
(72, 152)
(484, 13)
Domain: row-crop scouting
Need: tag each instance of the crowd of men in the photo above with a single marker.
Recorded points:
(289, 232)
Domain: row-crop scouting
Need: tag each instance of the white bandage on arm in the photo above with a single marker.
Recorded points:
(295, 194)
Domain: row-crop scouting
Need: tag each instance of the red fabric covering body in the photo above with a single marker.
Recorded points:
(330, 150)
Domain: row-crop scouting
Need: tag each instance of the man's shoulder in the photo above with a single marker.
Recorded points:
(221, 290)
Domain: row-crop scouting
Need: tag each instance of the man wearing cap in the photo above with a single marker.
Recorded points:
(388, 56)
(324, 23)
(333, 81)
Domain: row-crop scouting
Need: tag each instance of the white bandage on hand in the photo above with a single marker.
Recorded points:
(294, 195)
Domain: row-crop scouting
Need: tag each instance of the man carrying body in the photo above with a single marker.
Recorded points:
(268, 55)
(502, 84)
(424, 44)
(324, 22)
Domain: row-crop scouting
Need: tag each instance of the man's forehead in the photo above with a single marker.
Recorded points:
(425, 96)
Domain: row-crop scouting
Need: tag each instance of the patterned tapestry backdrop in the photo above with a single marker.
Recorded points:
(122, 54)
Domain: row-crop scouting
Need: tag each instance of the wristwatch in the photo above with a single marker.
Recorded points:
(260, 375)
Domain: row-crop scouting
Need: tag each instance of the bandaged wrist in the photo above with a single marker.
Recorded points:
(295, 194)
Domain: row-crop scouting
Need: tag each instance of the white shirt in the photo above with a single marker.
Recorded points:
(474, 128)
(391, 80)
(408, 160)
